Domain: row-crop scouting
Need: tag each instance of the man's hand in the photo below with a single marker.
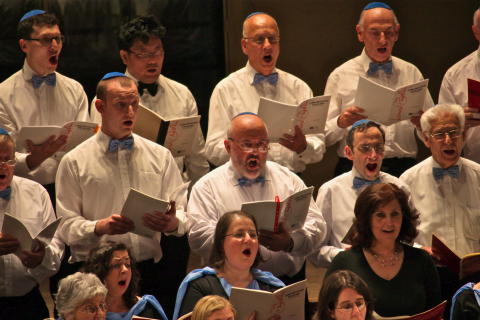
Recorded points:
(470, 121)
(415, 120)
(41, 152)
(349, 116)
(297, 142)
(31, 259)
(8, 244)
(162, 222)
(115, 224)
(276, 241)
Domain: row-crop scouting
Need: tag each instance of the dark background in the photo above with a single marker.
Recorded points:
(203, 40)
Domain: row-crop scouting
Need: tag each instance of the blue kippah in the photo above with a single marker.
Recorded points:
(113, 75)
(31, 13)
(244, 113)
(4, 132)
(360, 122)
(373, 5)
(254, 14)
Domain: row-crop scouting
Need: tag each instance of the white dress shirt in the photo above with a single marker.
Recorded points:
(449, 207)
(342, 85)
(30, 203)
(93, 184)
(336, 199)
(454, 89)
(172, 101)
(237, 93)
(23, 105)
(218, 192)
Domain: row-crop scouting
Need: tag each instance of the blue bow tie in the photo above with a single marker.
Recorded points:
(49, 79)
(360, 182)
(126, 143)
(244, 182)
(374, 67)
(272, 78)
(438, 173)
(5, 194)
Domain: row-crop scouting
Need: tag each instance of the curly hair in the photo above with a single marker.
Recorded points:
(140, 28)
(98, 263)
(369, 200)
(217, 255)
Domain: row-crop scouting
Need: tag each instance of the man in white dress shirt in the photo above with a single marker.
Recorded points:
(454, 89)
(336, 198)
(21, 272)
(248, 176)
(37, 95)
(378, 30)
(445, 187)
(241, 92)
(141, 48)
(94, 180)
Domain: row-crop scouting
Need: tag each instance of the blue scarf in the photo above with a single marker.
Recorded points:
(258, 275)
(137, 308)
(468, 286)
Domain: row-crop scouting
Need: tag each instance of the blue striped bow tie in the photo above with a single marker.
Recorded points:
(452, 171)
(244, 182)
(50, 79)
(5, 193)
(126, 143)
(374, 67)
(360, 182)
(272, 78)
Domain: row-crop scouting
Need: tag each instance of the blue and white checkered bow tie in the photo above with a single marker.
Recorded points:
(122, 144)
(244, 182)
(272, 78)
(5, 193)
(50, 79)
(360, 182)
(452, 171)
(374, 67)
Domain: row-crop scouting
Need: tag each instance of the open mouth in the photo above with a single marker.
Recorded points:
(2, 176)
(252, 163)
(128, 123)
(267, 58)
(388, 231)
(122, 283)
(449, 152)
(382, 50)
(372, 167)
(247, 252)
(152, 70)
(53, 60)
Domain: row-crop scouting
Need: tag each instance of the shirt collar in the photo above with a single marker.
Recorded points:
(234, 176)
(103, 140)
(28, 72)
(458, 163)
(355, 173)
(251, 72)
(365, 61)
(159, 79)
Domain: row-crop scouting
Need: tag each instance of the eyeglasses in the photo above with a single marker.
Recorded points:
(8, 163)
(243, 234)
(389, 33)
(260, 40)
(47, 41)
(93, 309)
(147, 55)
(440, 136)
(248, 146)
(367, 148)
(347, 307)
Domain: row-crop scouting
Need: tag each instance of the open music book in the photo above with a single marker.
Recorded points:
(435, 313)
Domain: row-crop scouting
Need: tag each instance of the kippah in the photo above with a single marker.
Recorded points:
(244, 113)
(360, 122)
(31, 13)
(254, 14)
(373, 5)
(4, 132)
(113, 75)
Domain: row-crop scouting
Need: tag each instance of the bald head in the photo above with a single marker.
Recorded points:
(256, 21)
(377, 14)
(247, 124)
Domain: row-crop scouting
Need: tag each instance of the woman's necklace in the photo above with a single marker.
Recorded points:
(386, 262)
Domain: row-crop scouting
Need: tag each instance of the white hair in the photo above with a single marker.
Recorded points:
(360, 20)
(76, 289)
(440, 111)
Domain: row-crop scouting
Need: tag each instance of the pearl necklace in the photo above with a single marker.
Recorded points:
(387, 262)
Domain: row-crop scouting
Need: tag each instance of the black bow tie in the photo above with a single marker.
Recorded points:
(152, 88)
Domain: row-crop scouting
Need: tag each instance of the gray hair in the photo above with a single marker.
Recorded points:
(76, 289)
(360, 20)
(439, 111)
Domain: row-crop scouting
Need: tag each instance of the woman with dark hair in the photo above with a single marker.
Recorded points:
(344, 295)
(115, 267)
(402, 279)
(233, 259)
